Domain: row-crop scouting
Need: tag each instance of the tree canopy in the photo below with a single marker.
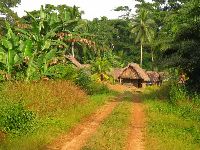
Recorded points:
(161, 35)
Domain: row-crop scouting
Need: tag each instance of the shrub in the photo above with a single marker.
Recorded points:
(83, 80)
(91, 87)
(61, 71)
(177, 93)
(16, 119)
(195, 97)
(98, 88)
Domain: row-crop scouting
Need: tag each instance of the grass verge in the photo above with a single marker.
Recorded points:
(113, 132)
(170, 126)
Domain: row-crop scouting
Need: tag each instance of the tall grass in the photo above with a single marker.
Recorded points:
(57, 106)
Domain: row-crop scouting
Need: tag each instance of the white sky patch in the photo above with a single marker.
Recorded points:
(92, 8)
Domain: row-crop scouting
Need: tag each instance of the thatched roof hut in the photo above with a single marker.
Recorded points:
(154, 76)
(116, 73)
(134, 71)
(134, 74)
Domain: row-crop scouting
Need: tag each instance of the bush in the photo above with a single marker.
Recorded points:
(177, 93)
(91, 87)
(98, 88)
(61, 71)
(16, 119)
(83, 80)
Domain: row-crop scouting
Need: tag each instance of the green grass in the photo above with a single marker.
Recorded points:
(50, 125)
(172, 127)
(113, 132)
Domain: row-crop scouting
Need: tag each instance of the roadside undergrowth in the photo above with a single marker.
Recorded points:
(57, 106)
(171, 125)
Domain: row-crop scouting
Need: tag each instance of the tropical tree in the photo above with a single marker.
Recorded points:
(7, 14)
(41, 41)
(9, 49)
(184, 49)
(142, 27)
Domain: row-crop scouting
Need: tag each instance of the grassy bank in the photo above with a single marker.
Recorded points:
(57, 107)
(113, 132)
(171, 126)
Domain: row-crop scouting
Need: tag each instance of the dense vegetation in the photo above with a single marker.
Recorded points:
(161, 35)
(38, 82)
(27, 110)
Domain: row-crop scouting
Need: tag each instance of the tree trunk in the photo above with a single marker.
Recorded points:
(152, 59)
(141, 54)
(73, 49)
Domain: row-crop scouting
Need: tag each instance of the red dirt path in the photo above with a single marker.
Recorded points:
(76, 139)
(136, 137)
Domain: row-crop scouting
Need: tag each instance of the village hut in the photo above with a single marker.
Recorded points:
(154, 77)
(115, 73)
(133, 74)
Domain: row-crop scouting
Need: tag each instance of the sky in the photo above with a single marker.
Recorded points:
(92, 8)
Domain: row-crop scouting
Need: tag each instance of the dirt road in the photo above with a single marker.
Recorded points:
(136, 137)
(78, 136)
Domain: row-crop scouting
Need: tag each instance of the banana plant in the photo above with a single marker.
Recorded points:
(9, 52)
(28, 54)
(42, 38)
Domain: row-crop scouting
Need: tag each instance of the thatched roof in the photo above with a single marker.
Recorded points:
(134, 71)
(154, 76)
(116, 72)
(76, 62)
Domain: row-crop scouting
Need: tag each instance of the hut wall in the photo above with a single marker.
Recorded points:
(132, 82)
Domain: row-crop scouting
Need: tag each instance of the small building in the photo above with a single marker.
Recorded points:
(115, 73)
(133, 74)
(154, 77)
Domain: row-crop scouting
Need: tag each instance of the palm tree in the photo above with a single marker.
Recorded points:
(143, 28)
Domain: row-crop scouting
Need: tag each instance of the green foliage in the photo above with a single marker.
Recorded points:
(177, 93)
(9, 56)
(178, 37)
(91, 87)
(168, 124)
(40, 48)
(15, 118)
(83, 79)
(143, 28)
(61, 71)
(172, 119)
(101, 65)
(98, 88)
(59, 106)
(6, 13)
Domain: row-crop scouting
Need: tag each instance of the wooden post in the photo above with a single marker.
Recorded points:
(143, 85)
(120, 80)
